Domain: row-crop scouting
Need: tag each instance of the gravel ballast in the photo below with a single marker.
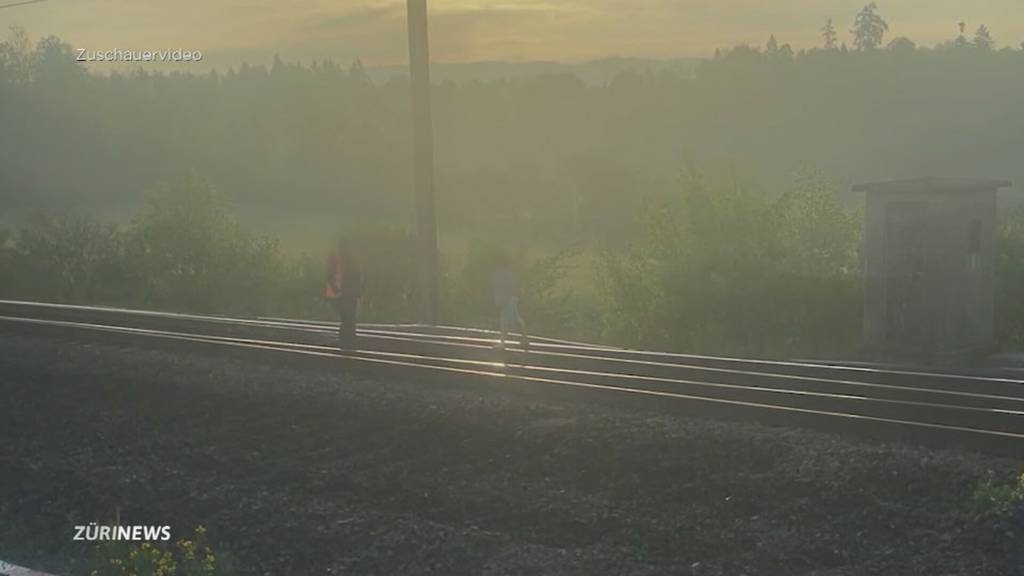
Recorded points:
(303, 471)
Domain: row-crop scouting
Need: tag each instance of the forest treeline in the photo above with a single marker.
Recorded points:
(704, 212)
(547, 159)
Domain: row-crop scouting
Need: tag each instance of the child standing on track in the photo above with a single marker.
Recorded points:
(506, 298)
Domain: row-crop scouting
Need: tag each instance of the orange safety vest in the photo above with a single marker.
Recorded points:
(336, 272)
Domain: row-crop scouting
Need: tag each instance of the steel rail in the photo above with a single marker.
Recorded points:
(996, 425)
(634, 357)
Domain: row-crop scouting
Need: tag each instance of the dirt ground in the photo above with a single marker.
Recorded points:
(299, 471)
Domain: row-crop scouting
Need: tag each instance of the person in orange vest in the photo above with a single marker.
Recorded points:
(343, 289)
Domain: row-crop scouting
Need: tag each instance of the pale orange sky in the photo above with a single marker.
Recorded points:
(228, 31)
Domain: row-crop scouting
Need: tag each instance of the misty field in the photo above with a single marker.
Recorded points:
(703, 210)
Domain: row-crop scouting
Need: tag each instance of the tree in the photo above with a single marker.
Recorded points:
(869, 28)
(710, 256)
(191, 254)
(15, 56)
(961, 40)
(773, 45)
(902, 44)
(53, 63)
(828, 33)
(278, 66)
(357, 73)
(983, 38)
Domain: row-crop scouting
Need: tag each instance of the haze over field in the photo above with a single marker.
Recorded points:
(652, 200)
(229, 31)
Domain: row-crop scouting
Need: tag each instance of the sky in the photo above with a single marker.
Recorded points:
(230, 31)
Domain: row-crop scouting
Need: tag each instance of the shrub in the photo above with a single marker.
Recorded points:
(993, 498)
(468, 293)
(186, 557)
(1009, 318)
(550, 301)
(725, 269)
(67, 259)
(190, 255)
(389, 262)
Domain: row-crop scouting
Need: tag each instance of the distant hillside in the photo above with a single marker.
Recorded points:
(560, 158)
(595, 72)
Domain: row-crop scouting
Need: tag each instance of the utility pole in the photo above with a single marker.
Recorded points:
(423, 153)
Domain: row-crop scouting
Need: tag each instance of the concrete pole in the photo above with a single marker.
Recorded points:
(423, 153)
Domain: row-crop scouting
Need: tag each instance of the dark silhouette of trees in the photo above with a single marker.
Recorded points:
(327, 145)
(829, 35)
(776, 51)
(869, 28)
(902, 44)
(15, 56)
(328, 139)
(983, 38)
(961, 40)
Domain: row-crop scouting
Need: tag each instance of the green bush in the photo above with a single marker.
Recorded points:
(718, 268)
(186, 557)
(468, 293)
(68, 259)
(552, 300)
(993, 498)
(558, 298)
(1009, 318)
(189, 254)
(722, 268)
(185, 252)
(388, 259)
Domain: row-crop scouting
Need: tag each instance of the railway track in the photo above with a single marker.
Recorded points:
(966, 410)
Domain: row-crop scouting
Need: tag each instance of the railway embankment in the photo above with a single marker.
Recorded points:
(298, 470)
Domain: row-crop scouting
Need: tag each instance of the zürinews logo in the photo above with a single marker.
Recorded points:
(93, 532)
